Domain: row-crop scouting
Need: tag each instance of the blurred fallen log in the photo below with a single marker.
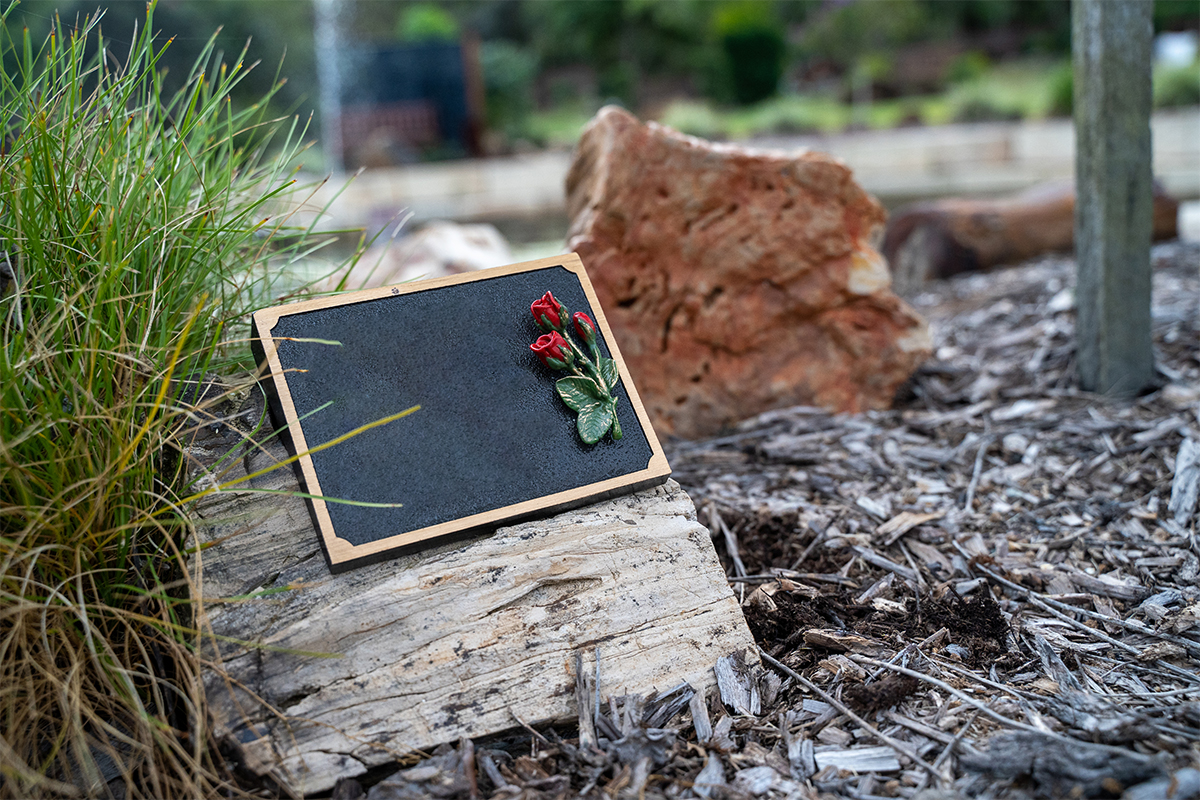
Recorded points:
(945, 237)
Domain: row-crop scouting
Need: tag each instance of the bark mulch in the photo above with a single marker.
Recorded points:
(988, 591)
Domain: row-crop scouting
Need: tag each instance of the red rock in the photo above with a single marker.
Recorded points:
(736, 281)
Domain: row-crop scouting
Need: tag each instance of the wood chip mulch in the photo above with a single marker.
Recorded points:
(988, 591)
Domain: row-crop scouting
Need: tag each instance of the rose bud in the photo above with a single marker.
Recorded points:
(585, 327)
(553, 351)
(549, 313)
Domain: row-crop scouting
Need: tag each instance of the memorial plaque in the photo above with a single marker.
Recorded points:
(515, 417)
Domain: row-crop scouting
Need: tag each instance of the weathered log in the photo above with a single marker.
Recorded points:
(318, 677)
(946, 237)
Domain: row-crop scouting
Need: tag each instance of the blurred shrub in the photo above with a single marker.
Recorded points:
(981, 108)
(667, 36)
(847, 32)
(781, 115)
(694, 118)
(753, 44)
(1047, 24)
(621, 40)
(1177, 86)
(870, 69)
(570, 32)
(1173, 87)
(508, 75)
(968, 67)
(256, 25)
(1061, 91)
(618, 83)
(975, 15)
(792, 115)
(1040, 26)
(557, 127)
(563, 92)
(1175, 15)
(426, 22)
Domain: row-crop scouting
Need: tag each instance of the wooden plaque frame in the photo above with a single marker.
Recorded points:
(466, 462)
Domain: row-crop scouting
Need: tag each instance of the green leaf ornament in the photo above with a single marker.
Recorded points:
(594, 421)
(578, 393)
(608, 370)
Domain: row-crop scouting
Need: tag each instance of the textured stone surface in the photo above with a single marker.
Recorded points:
(736, 281)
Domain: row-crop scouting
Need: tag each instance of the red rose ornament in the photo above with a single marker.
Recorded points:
(584, 327)
(553, 350)
(549, 313)
(590, 388)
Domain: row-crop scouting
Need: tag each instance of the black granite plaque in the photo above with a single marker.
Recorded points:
(491, 441)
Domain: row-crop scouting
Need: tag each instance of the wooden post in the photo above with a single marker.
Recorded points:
(328, 40)
(1111, 53)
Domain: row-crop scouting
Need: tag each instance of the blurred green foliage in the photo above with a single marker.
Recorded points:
(508, 76)
(968, 67)
(752, 41)
(779, 115)
(1043, 25)
(426, 22)
(563, 58)
(621, 40)
(1062, 89)
(1175, 15)
(1173, 86)
(849, 34)
(1177, 86)
(564, 32)
(759, 53)
(190, 25)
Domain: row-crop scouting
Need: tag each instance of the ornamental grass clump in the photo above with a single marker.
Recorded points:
(138, 224)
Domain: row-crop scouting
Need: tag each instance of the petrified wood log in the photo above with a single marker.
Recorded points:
(319, 676)
(736, 280)
(945, 237)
